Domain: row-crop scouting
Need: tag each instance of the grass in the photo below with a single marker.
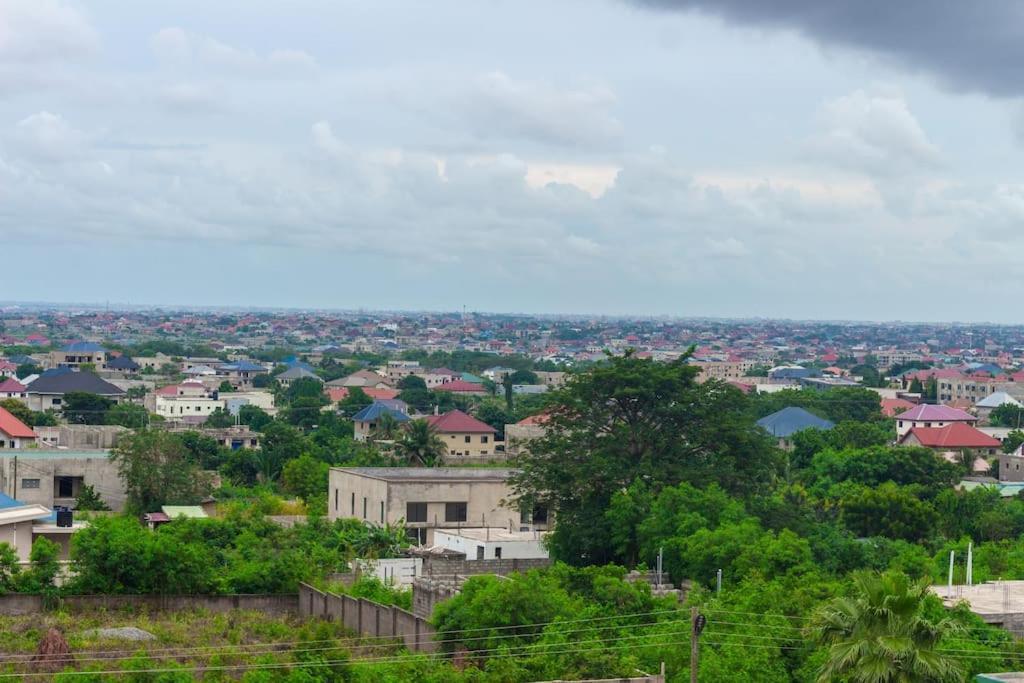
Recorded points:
(217, 634)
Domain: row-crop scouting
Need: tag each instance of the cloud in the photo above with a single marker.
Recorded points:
(874, 132)
(48, 137)
(44, 31)
(499, 106)
(190, 97)
(970, 46)
(178, 48)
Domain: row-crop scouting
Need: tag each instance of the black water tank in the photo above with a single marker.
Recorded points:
(64, 517)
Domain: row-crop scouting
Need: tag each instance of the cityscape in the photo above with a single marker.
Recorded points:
(645, 341)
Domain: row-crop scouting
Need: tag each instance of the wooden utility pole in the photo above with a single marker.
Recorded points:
(694, 646)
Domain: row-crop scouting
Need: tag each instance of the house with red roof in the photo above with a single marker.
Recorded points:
(336, 394)
(464, 436)
(928, 416)
(953, 440)
(12, 388)
(891, 407)
(14, 433)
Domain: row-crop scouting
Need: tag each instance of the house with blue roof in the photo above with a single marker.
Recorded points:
(367, 419)
(788, 421)
(21, 523)
(240, 373)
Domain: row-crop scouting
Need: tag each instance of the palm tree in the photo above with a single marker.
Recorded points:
(878, 634)
(421, 445)
(387, 427)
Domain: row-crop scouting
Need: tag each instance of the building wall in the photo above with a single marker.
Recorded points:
(19, 536)
(182, 406)
(99, 472)
(510, 549)
(518, 437)
(468, 445)
(1011, 467)
(904, 426)
(484, 501)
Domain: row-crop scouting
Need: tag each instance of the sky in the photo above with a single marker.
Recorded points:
(847, 160)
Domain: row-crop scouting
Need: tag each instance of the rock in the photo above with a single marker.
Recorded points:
(122, 633)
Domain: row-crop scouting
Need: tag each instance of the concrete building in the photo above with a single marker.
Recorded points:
(76, 354)
(426, 498)
(80, 437)
(47, 391)
(723, 369)
(519, 435)
(397, 370)
(465, 437)
(783, 424)
(366, 420)
(12, 388)
(52, 478)
(492, 543)
(928, 416)
(16, 521)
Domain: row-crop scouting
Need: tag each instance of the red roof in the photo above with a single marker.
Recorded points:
(11, 386)
(13, 427)
(538, 419)
(956, 435)
(892, 406)
(457, 422)
(461, 386)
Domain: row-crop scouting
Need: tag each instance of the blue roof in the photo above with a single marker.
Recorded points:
(788, 421)
(376, 409)
(83, 347)
(296, 363)
(242, 366)
(8, 502)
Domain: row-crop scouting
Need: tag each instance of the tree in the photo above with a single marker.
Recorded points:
(19, 410)
(354, 401)
(219, 418)
(304, 411)
(387, 427)
(495, 416)
(306, 477)
(254, 416)
(88, 500)
(888, 510)
(916, 387)
(522, 377)
(1013, 441)
(411, 382)
(203, 449)
(421, 445)
(44, 567)
(9, 568)
(1007, 415)
(225, 387)
(157, 469)
(630, 419)
(879, 634)
(80, 407)
(130, 415)
(306, 387)
(26, 369)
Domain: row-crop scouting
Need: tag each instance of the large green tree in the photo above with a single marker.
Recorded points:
(879, 634)
(157, 469)
(80, 407)
(420, 444)
(631, 419)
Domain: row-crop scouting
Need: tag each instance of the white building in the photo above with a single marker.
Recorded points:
(492, 543)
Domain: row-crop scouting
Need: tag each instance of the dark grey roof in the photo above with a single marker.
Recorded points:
(122, 363)
(788, 421)
(51, 382)
(298, 372)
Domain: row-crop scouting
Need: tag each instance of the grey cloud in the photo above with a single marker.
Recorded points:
(43, 31)
(971, 46)
(182, 49)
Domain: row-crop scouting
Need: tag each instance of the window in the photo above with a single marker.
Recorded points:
(497, 552)
(29, 483)
(455, 512)
(415, 512)
(468, 438)
(56, 401)
(479, 552)
(483, 439)
(364, 507)
(335, 500)
(382, 512)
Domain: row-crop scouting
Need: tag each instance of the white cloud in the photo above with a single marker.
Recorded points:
(190, 97)
(49, 137)
(875, 132)
(44, 30)
(183, 49)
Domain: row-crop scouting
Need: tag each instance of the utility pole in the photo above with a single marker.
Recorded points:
(697, 622)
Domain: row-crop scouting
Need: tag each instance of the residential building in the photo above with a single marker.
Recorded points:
(14, 433)
(425, 498)
(985, 406)
(240, 373)
(953, 440)
(519, 435)
(47, 391)
(437, 376)
(12, 388)
(397, 370)
(362, 379)
(50, 478)
(366, 420)
(465, 437)
(296, 372)
(723, 369)
(16, 521)
(463, 388)
(929, 415)
(79, 353)
(492, 543)
(783, 424)
(80, 437)
(123, 365)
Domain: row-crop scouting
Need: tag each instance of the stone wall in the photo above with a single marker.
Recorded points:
(368, 618)
(443, 566)
(278, 605)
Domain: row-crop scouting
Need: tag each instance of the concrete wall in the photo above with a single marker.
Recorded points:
(98, 471)
(368, 618)
(14, 603)
(82, 436)
(441, 566)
